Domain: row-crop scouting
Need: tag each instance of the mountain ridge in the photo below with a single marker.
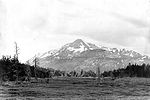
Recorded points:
(87, 56)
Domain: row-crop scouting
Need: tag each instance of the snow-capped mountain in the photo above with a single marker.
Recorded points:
(49, 53)
(82, 55)
(42, 55)
(75, 49)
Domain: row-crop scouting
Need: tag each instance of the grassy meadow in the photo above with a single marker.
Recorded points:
(78, 89)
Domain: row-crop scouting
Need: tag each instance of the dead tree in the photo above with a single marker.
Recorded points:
(36, 61)
(98, 75)
(16, 61)
(97, 64)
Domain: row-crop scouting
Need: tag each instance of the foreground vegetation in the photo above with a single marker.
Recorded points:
(40, 83)
(79, 89)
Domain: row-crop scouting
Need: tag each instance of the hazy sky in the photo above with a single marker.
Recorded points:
(42, 25)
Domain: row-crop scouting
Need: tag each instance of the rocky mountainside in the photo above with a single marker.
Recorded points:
(87, 56)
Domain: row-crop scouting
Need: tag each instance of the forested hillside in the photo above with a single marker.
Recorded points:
(132, 70)
(11, 69)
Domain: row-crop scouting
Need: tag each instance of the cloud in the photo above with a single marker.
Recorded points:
(134, 21)
(141, 24)
(2, 20)
(68, 2)
(47, 22)
(35, 24)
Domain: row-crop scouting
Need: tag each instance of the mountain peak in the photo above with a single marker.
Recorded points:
(87, 46)
(78, 41)
(79, 44)
(80, 54)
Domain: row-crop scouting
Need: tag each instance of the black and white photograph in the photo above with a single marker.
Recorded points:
(74, 49)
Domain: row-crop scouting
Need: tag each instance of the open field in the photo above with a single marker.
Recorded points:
(79, 89)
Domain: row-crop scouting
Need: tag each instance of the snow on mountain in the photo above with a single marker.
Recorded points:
(49, 53)
(106, 48)
(83, 55)
(80, 46)
(42, 55)
(80, 49)
(74, 49)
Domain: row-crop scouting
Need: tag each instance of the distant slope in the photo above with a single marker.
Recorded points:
(87, 56)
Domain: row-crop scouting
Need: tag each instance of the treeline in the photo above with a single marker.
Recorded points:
(11, 69)
(132, 70)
